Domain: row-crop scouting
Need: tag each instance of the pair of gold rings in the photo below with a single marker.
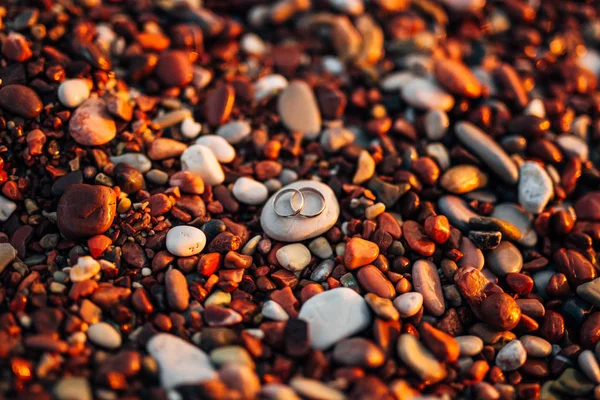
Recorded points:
(298, 209)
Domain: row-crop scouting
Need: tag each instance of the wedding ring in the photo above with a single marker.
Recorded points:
(321, 199)
(296, 211)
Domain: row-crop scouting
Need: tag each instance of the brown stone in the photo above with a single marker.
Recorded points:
(174, 68)
(21, 100)
(457, 78)
(359, 252)
(443, 346)
(219, 104)
(86, 210)
(417, 240)
(374, 281)
(500, 311)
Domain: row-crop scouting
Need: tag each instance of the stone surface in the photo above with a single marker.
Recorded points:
(137, 160)
(91, 124)
(504, 259)
(519, 218)
(223, 151)
(535, 187)
(457, 211)
(335, 139)
(334, 315)
(274, 311)
(268, 86)
(21, 100)
(470, 345)
(374, 281)
(365, 168)
(104, 335)
(293, 257)
(298, 109)
(73, 387)
(162, 148)
(359, 252)
(73, 92)
(427, 282)
(408, 304)
(185, 241)
(174, 68)
(536, 346)
(424, 94)
(463, 179)
(86, 268)
(86, 210)
(358, 352)
(297, 229)
(472, 256)
(7, 207)
(589, 291)
(7, 255)
(200, 160)
(248, 191)
(178, 295)
(179, 361)
(234, 132)
(512, 356)
(419, 359)
(484, 147)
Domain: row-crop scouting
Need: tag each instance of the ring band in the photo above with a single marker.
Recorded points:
(295, 211)
(319, 195)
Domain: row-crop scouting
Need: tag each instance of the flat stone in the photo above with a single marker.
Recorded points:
(223, 151)
(334, 315)
(249, 191)
(515, 215)
(419, 359)
(536, 346)
(535, 187)
(200, 160)
(185, 241)
(470, 345)
(104, 335)
(427, 282)
(457, 211)
(424, 94)
(298, 109)
(137, 160)
(486, 148)
(504, 259)
(91, 124)
(73, 92)
(293, 257)
(179, 361)
(235, 132)
(512, 356)
(296, 229)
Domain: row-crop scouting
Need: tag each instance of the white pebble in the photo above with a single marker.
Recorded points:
(321, 248)
(86, 268)
(535, 187)
(274, 311)
(408, 304)
(224, 152)
(104, 335)
(190, 129)
(136, 160)
(512, 356)
(249, 191)
(185, 241)
(293, 257)
(235, 132)
(269, 86)
(251, 43)
(589, 365)
(73, 92)
(200, 160)
(7, 207)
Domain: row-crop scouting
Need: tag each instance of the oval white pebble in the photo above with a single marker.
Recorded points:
(235, 132)
(86, 268)
(73, 92)
(200, 160)
(249, 191)
(103, 334)
(185, 241)
(408, 304)
(293, 257)
(190, 128)
(224, 152)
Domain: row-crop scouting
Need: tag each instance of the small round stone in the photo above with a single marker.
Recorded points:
(408, 304)
(201, 161)
(235, 132)
(185, 241)
(512, 356)
(21, 100)
(293, 257)
(104, 335)
(174, 68)
(470, 345)
(504, 259)
(86, 210)
(224, 152)
(501, 311)
(73, 92)
(91, 124)
(249, 191)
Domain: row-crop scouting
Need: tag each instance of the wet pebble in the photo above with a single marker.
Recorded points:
(185, 241)
(512, 356)
(535, 187)
(520, 219)
(334, 315)
(500, 311)
(589, 291)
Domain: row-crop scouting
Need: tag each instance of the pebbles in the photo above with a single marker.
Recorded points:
(359, 252)
(358, 352)
(298, 109)
(293, 257)
(463, 179)
(488, 151)
(423, 94)
(174, 68)
(365, 168)
(374, 281)
(409, 304)
(500, 311)
(86, 268)
(7, 255)
(86, 210)
(427, 282)
(334, 315)
(249, 191)
(512, 356)
(91, 124)
(21, 101)
(234, 132)
(73, 92)
(178, 295)
(535, 187)
(504, 259)
(223, 151)
(185, 241)
(179, 362)
(104, 335)
(419, 359)
(201, 161)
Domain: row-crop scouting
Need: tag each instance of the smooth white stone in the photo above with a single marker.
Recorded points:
(86, 268)
(274, 311)
(408, 304)
(200, 160)
(512, 356)
(535, 107)
(223, 151)
(314, 389)
(535, 187)
(104, 335)
(73, 387)
(185, 241)
(423, 94)
(536, 346)
(7, 207)
(298, 109)
(137, 160)
(470, 345)
(73, 92)
(269, 86)
(297, 229)
(190, 129)
(334, 315)
(249, 191)
(335, 139)
(396, 80)
(251, 43)
(589, 365)
(293, 257)
(574, 146)
(333, 65)
(180, 362)
(590, 61)
(235, 132)
(436, 123)
(278, 391)
(321, 248)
